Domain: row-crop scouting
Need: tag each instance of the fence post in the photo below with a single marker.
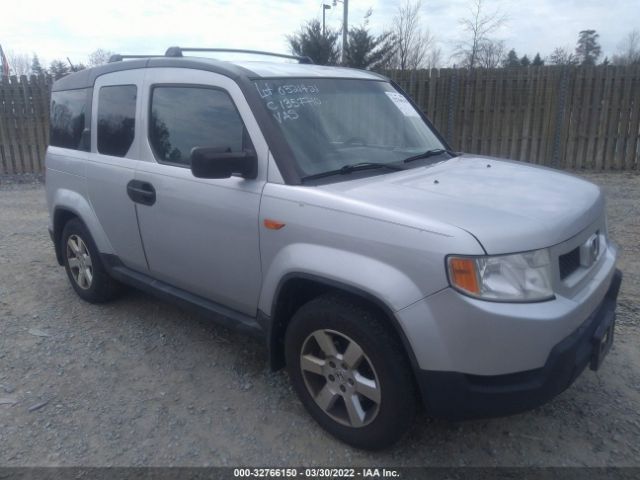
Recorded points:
(452, 104)
(560, 111)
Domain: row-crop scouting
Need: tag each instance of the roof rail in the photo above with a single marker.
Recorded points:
(118, 58)
(177, 52)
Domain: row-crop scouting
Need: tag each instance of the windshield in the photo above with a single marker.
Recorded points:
(331, 123)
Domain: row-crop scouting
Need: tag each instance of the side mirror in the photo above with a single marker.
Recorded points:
(213, 162)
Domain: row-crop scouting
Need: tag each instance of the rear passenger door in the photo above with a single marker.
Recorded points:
(115, 139)
(200, 235)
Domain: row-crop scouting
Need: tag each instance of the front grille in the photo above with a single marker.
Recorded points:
(569, 263)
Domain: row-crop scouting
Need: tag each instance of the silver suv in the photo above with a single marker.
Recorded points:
(317, 208)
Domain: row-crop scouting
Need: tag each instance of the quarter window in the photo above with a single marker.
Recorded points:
(186, 117)
(116, 119)
(68, 111)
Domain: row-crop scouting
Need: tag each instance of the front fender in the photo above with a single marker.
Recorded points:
(369, 275)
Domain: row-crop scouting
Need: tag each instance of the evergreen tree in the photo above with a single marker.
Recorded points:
(310, 42)
(512, 59)
(36, 68)
(58, 69)
(588, 49)
(524, 61)
(537, 61)
(366, 51)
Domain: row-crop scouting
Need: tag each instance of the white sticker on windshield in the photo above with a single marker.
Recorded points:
(403, 104)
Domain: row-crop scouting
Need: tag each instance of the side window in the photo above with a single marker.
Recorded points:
(116, 119)
(187, 117)
(68, 111)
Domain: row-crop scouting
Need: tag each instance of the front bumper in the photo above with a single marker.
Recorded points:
(461, 396)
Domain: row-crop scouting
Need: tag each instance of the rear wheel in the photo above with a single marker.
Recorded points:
(84, 268)
(350, 371)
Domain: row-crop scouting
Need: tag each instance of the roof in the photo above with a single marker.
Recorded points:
(280, 69)
(232, 69)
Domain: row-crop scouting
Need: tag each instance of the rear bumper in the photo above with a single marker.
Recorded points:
(462, 396)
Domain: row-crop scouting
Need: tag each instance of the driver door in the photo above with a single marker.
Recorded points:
(200, 235)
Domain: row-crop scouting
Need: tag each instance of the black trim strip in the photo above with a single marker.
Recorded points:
(460, 396)
(273, 322)
(219, 313)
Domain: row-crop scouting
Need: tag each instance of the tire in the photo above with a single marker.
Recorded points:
(80, 255)
(377, 375)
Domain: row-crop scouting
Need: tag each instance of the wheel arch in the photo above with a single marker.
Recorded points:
(296, 289)
(68, 204)
(61, 216)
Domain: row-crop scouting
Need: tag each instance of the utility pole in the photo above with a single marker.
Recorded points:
(345, 26)
(325, 7)
(345, 30)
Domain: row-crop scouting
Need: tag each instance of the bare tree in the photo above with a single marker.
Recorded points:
(434, 58)
(99, 57)
(491, 54)
(479, 26)
(413, 43)
(20, 63)
(562, 56)
(628, 50)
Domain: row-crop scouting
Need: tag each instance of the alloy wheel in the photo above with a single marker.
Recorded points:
(340, 378)
(79, 261)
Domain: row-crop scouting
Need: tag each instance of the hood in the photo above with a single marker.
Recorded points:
(508, 206)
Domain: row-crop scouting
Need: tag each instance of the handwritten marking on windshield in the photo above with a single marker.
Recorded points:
(284, 100)
(265, 90)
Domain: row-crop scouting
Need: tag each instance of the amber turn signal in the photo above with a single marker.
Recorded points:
(462, 274)
(273, 224)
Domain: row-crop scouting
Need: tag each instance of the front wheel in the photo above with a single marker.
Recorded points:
(350, 371)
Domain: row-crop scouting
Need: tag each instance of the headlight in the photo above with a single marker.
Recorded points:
(522, 277)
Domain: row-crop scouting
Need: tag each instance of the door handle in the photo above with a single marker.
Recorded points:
(141, 192)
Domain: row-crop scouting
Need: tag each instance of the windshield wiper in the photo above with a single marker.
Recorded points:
(430, 153)
(354, 167)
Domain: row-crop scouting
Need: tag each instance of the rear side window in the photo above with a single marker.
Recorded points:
(116, 119)
(187, 117)
(68, 112)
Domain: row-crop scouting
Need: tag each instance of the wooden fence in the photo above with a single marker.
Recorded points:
(24, 123)
(565, 117)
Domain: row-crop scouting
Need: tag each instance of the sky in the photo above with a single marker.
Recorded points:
(74, 28)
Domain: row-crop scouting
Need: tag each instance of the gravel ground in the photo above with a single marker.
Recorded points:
(141, 382)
